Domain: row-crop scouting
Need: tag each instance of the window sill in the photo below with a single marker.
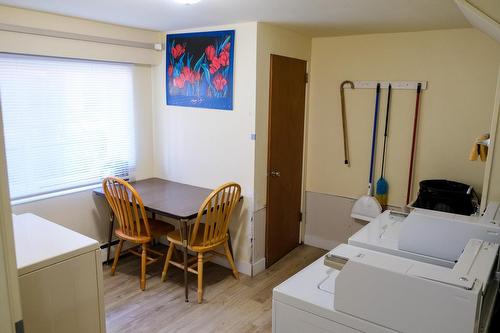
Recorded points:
(53, 194)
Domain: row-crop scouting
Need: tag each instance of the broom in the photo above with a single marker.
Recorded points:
(382, 185)
(367, 207)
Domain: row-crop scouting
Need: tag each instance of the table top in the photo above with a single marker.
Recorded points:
(175, 200)
(41, 243)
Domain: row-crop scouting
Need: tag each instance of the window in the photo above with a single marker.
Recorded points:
(67, 123)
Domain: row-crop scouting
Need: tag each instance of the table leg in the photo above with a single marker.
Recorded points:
(110, 234)
(153, 240)
(230, 245)
(183, 227)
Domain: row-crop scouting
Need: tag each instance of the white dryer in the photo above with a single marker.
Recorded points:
(360, 290)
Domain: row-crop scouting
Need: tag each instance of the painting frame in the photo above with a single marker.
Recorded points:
(199, 69)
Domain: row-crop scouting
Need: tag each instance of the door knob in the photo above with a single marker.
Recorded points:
(275, 173)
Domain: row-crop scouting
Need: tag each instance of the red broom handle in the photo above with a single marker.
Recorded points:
(414, 141)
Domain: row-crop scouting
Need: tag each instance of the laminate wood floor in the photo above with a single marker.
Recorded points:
(229, 305)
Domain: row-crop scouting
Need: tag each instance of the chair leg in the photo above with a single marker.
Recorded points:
(117, 256)
(143, 265)
(231, 261)
(200, 277)
(167, 262)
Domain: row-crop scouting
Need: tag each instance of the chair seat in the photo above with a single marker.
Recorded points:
(160, 228)
(156, 227)
(197, 245)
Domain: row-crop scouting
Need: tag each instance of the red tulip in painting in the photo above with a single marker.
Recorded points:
(178, 50)
(219, 82)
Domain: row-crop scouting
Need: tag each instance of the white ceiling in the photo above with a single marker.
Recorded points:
(310, 17)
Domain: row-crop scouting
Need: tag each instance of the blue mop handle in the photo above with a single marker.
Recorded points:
(374, 136)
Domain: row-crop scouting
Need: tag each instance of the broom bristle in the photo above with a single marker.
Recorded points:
(381, 191)
(382, 199)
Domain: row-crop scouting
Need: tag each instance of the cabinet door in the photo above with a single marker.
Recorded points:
(63, 297)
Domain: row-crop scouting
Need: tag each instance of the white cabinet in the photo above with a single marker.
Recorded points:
(60, 277)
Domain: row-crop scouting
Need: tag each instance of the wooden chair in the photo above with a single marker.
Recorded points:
(133, 222)
(205, 237)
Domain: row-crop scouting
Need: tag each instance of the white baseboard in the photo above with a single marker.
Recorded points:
(259, 266)
(326, 244)
(242, 267)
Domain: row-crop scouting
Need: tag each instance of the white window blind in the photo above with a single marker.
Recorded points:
(67, 123)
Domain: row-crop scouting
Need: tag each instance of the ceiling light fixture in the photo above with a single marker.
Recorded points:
(188, 2)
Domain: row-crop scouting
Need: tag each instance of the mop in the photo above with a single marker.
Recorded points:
(367, 207)
(413, 144)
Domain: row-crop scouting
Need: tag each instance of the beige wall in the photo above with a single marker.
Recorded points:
(174, 143)
(489, 7)
(270, 40)
(82, 211)
(34, 44)
(461, 68)
(206, 147)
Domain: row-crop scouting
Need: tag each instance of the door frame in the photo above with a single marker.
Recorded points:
(304, 156)
(493, 135)
(9, 283)
(304, 152)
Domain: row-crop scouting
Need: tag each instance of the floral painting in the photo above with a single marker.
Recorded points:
(200, 69)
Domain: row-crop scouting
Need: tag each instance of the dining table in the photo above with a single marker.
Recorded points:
(170, 199)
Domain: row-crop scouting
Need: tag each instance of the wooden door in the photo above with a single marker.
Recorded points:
(285, 151)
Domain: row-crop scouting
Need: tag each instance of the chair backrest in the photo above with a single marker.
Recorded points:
(217, 209)
(127, 206)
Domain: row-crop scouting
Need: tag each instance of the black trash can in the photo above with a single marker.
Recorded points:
(447, 196)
